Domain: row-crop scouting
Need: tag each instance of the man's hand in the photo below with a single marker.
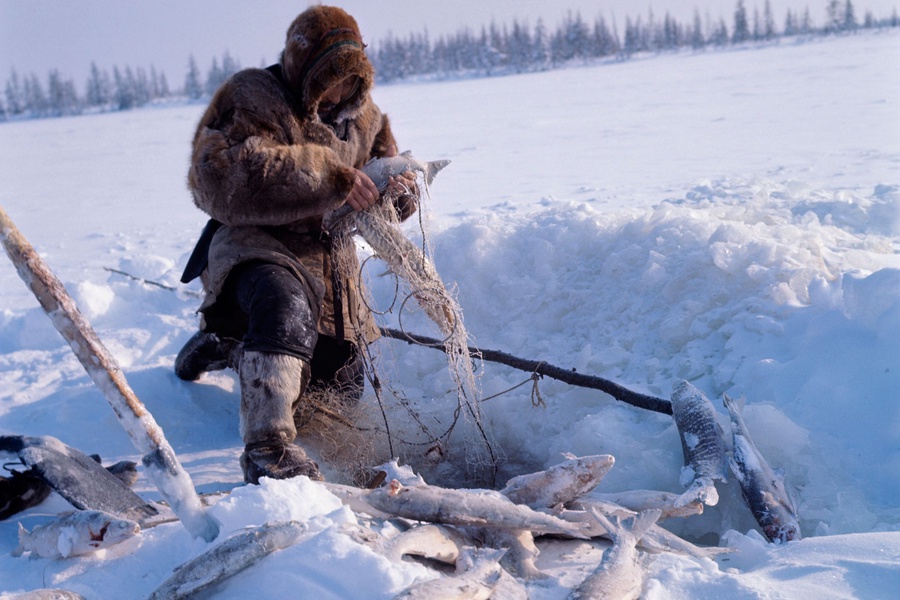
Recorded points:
(364, 193)
(404, 183)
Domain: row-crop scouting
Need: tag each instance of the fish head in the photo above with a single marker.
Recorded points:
(471, 558)
(394, 487)
(780, 523)
(597, 466)
(113, 531)
(781, 532)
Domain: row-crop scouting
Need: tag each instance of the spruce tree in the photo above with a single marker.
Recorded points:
(122, 94)
(97, 89)
(849, 17)
(35, 99)
(719, 36)
(806, 24)
(214, 78)
(541, 46)
(192, 86)
(835, 18)
(769, 32)
(15, 95)
(741, 26)
(55, 94)
(697, 40)
(632, 37)
(791, 27)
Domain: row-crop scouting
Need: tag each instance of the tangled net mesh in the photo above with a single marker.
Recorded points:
(419, 281)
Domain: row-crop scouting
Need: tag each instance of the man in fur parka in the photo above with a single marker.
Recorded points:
(277, 150)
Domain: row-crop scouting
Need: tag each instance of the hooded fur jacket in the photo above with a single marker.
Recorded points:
(268, 168)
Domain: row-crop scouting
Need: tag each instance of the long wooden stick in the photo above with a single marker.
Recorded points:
(159, 460)
(615, 390)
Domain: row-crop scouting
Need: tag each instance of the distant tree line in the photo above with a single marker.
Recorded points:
(27, 97)
(519, 48)
(494, 51)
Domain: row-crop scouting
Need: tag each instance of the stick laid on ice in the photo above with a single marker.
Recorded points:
(620, 393)
(159, 459)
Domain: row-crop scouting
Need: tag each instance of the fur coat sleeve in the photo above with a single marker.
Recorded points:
(256, 163)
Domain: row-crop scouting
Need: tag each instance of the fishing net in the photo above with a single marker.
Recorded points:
(421, 287)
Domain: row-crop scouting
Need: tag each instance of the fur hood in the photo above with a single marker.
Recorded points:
(323, 46)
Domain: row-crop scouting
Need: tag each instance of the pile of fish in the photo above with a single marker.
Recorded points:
(489, 536)
(485, 539)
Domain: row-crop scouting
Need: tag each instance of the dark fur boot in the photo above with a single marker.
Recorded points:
(278, 460)
(203, 352)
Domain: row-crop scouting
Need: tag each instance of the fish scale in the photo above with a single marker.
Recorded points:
(702, 442)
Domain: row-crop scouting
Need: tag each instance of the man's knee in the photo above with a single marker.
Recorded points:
(281, 317)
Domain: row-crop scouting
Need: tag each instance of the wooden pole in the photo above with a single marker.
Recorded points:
(615, 390)
(159, 460)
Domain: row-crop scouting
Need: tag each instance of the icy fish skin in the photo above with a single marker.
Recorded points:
(380, 170)
(702, 442)
(236, 553)
(74, 534)
(559, 484)
(465, 507)
(762, 488)
(619, 575)
(479, 577)
(638, 500)
(436, 542)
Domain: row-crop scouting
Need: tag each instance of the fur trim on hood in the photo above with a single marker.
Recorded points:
(323, 47)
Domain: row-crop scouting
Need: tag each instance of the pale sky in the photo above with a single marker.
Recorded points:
(39, 35)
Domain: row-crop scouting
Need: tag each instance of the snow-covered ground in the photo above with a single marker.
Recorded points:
(728, 218)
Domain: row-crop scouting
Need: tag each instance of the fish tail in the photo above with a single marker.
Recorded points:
(703, 489)
(634, 527)
(21, 547)
(433, 168)
(644, 521)
(735, 407)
